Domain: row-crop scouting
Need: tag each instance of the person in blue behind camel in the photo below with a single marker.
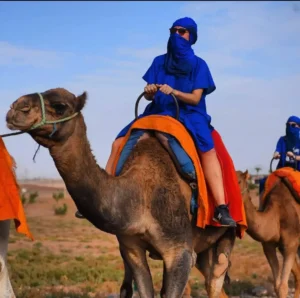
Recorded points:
(287, 148)
(182, 73)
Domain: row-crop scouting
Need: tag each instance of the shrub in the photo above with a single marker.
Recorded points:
(61, 210)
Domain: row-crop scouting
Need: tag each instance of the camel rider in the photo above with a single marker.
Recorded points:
(187, 76)
(287, 148)
(289, 145)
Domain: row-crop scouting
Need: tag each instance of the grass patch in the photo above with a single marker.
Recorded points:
(239, 288)
(34, 293)
(39, 268)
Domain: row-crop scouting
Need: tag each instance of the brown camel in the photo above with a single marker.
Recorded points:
(276, 225)
(146, 207)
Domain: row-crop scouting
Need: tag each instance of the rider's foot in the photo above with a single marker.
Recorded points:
(78, 214)
(223, 217)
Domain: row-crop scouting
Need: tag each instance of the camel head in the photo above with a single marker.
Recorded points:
(243, 178)
(62, 111)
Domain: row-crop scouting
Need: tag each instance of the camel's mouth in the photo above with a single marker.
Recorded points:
(13, 125)
(17, 126)
(18, 122)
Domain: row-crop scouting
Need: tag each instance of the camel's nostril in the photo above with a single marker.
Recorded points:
(25, 109)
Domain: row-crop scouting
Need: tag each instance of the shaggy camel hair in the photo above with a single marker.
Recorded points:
(276, 225)
(146, 207)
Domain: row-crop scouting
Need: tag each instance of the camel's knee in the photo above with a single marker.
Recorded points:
(221, 266)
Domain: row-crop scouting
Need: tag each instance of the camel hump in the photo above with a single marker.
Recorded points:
(289, 176)
(182, 161)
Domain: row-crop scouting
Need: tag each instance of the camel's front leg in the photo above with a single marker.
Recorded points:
(177, 266)
(187, 290)
(296, 273)
(126, 290)
(289, 255)
(270, 253)
(136, 264)
(6, 290)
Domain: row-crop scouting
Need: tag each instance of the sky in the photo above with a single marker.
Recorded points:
(104, 48)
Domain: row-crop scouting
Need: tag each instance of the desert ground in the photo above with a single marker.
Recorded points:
(70, 258)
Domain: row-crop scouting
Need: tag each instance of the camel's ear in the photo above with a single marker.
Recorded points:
(81, 100)
(246, 175)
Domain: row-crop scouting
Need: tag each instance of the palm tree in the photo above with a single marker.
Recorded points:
(257, 169)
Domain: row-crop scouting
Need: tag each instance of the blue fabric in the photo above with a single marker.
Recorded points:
(281, 148)
(180, 58)
(262, 183)
(193, 117)
(292, 134)
(186, 164)
(133, 139)
(190, 24)
(294, 119)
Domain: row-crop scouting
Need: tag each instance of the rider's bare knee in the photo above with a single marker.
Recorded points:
(207, 153)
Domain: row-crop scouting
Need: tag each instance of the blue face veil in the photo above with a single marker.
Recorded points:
(292, 133)
(180, 57)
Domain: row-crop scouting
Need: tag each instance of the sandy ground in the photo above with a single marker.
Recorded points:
(61, 234)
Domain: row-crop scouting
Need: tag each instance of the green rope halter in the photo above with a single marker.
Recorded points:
(44, 121)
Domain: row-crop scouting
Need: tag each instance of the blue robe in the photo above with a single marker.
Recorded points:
(193, 117)
(281, 148)
(284, 161)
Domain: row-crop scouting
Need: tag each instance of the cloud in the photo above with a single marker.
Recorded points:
(21, 56)
(252, 49)
(142, 53)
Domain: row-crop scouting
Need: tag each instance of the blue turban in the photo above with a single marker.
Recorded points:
(189, 24)
(294, 119)
(293, 134)
(180, 58)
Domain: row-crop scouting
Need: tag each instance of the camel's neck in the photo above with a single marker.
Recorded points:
(260, 224)
(89, 186)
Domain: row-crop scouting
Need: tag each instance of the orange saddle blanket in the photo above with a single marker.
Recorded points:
(10, 203)
(206, 205)
(292, 175)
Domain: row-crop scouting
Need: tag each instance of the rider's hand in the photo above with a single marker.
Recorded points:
(276, 155)
(166, 89)
(151, 89)
(290, 154)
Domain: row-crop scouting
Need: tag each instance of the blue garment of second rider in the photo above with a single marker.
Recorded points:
(181, 69)
(289, 142)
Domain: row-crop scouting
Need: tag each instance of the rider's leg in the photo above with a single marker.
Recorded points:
(213, 175)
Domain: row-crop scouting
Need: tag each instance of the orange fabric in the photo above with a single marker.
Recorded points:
(205, 201)
(10, 203)
(287, 172)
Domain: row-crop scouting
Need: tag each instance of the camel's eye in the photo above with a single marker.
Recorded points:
(59, 108)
